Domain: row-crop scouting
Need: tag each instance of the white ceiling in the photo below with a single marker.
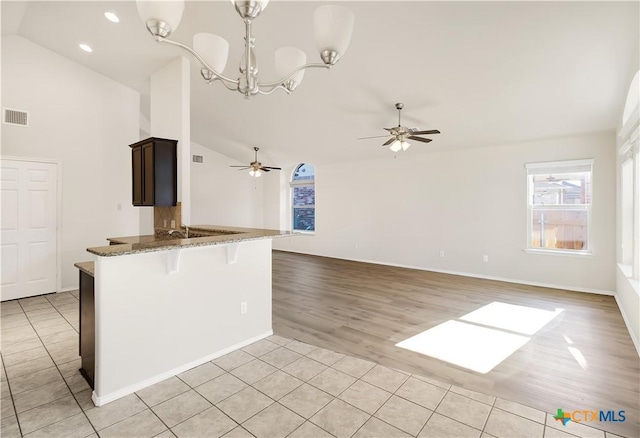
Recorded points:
(483, 73)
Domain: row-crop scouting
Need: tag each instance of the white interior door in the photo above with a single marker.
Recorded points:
(29, 228)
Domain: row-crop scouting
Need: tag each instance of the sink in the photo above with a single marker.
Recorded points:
(192, 235)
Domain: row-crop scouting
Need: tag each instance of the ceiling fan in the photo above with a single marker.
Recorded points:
(400, 134)
(256, 167)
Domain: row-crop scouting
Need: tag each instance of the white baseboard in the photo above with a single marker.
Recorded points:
(470, 274)
(635, 340)
(108, 398)
(67, 289)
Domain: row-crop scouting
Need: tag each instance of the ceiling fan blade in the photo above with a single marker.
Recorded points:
(264, 169)
(388, 142)
(239, 166)
(271, 168)
(425, 140)
(433, 131)
(242, 168)
(375, 136)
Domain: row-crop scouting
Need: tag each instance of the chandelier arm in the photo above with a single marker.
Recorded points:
(227, 86)
(217, 75)
(277, 87)
(286, 78)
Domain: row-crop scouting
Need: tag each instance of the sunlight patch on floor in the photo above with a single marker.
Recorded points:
(482, 339)
(520, 319)
(467, 345)
(579, 357)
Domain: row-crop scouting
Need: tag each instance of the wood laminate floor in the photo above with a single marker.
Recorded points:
(582, 359)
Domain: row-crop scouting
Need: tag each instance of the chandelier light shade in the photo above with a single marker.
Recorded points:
(213, 48)
(333, 26)
(162, 15)
(288, 59)
(333, 29)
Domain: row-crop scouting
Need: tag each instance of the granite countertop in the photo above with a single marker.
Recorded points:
(221, 236)
(87, 267)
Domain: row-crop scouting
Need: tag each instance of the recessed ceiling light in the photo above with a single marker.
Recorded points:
(86, 48)
(111, 16)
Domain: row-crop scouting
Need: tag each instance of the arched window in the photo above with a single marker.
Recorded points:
(303, 198)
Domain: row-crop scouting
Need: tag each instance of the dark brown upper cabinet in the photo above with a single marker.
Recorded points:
(155, 171)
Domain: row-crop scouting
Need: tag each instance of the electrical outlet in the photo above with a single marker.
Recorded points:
(485, 258)
(165, 223)
(173, 223)
(243, 308)
(442, 253)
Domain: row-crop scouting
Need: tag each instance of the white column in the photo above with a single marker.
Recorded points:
(171, 118)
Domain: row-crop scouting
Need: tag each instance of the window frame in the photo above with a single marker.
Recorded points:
(629, 152)
(301, 183)
(562, 167)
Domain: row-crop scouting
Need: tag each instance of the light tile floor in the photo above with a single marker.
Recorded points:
(275, 387)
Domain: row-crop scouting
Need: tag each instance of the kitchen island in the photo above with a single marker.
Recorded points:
(166, 305)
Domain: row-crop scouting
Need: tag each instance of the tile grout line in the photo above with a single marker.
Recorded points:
(489, 415)
(303, 382)
(59, 372)
(437, 406)
(68, 322)
(192, 388)
(213, 405)
(360, 379)
(13, 402)
(395, 393)
(152, 411)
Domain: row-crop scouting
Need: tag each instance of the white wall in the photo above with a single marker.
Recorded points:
(86, 121)
(153, 326)
(171, 118)
(221, 195)
(468, 203)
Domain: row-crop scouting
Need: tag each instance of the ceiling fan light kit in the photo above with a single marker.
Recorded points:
(400, 134)
(333, 28)
(255, 167)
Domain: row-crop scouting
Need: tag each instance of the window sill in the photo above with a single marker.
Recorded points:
(556, 252)
(306, 233)
(627, 270)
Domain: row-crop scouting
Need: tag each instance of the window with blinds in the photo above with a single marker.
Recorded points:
(559, 206)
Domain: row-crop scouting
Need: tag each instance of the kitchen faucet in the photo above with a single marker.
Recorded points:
(185, 233)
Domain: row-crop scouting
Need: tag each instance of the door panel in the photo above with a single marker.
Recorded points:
(10, 210)
(37, 209)
(148, 173)
(136, 162)
(9, 264)
(29, 228)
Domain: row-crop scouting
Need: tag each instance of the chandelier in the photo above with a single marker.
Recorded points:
(332, 24)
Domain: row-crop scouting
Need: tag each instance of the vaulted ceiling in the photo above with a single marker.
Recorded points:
(483, 73)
